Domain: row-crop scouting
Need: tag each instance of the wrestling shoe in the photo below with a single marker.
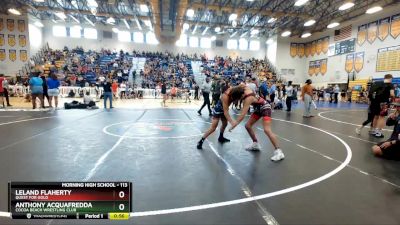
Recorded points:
(379, 134)
(358, 131)
(200, 144)
(253, 147)
(223, 140)
(278, 155)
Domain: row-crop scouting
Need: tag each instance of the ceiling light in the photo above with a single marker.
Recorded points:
(205, 31)
(250, 0)
(270, 41)
(126, 24)
(233, 16)
(92, 3)
(244, 34)
(286, 33)
(186, 26)
(254, 32)
(54, 21)
(309, 23)
(89, 21)
(38, 0)
(144, 8)
(234, 23)
(300, 2)
(110, 20)
(346, 5)
(77, 27)
(217, 29)
(60, 15)
(306, 35)
(14, 11)
(213, 38)
(272, 20)
(190, 13)
(76, 20)
(115, 30)
(333, 24)
(38, 24)
(74, 3)
(374, 9)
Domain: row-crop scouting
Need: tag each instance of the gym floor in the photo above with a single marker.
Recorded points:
(329, 175)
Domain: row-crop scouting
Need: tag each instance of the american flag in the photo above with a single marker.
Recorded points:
(343, 33)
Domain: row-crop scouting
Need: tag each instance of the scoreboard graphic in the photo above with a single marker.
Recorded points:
(70, 200)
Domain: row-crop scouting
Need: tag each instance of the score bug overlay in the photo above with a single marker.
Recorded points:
(70, 200)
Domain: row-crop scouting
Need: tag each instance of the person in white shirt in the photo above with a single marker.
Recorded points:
(289, 96)
(336, 91)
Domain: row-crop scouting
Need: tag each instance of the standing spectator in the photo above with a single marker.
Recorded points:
(216, 90)
(206, 89)
(1, 90)
(164, 94)
(45, 89)
(6, 87)
(114, 88)
(380, 95)
(107, 93)
(336, 91)
(53, 85)
(36, 85)
(289, 96)
(306, 94)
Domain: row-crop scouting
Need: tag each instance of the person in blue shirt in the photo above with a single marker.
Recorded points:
(36, 85)
(396, 91)
(53, 85)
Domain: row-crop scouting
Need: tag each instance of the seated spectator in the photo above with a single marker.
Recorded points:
(390, 149)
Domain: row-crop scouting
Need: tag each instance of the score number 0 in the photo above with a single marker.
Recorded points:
(121, 194)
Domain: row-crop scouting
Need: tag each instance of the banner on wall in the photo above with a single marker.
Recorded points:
(12, 54)
(317, 67)
(313, 48)
(311, 68)
(10, 24)
(23, 55)
(383, 28)
(319, 47)
(21, 26)
(293, 49)
(359, 61)
(349, 65)
(300, 50)
(362, 34)
(1, 24)
(395, 26)
(22, 40)
(308, 49)
(372, 31)
(1, 39)
(324, 66)
(2, 54)
(325, 45)
(11, 40)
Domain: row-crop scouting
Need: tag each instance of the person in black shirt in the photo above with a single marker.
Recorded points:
(45, 89)
(390, 148)
(107, 92)
(164, 94)
(380, 95)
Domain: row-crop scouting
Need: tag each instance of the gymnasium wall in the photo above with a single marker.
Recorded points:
(60, 42)
(336, 72)
(14, 43)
